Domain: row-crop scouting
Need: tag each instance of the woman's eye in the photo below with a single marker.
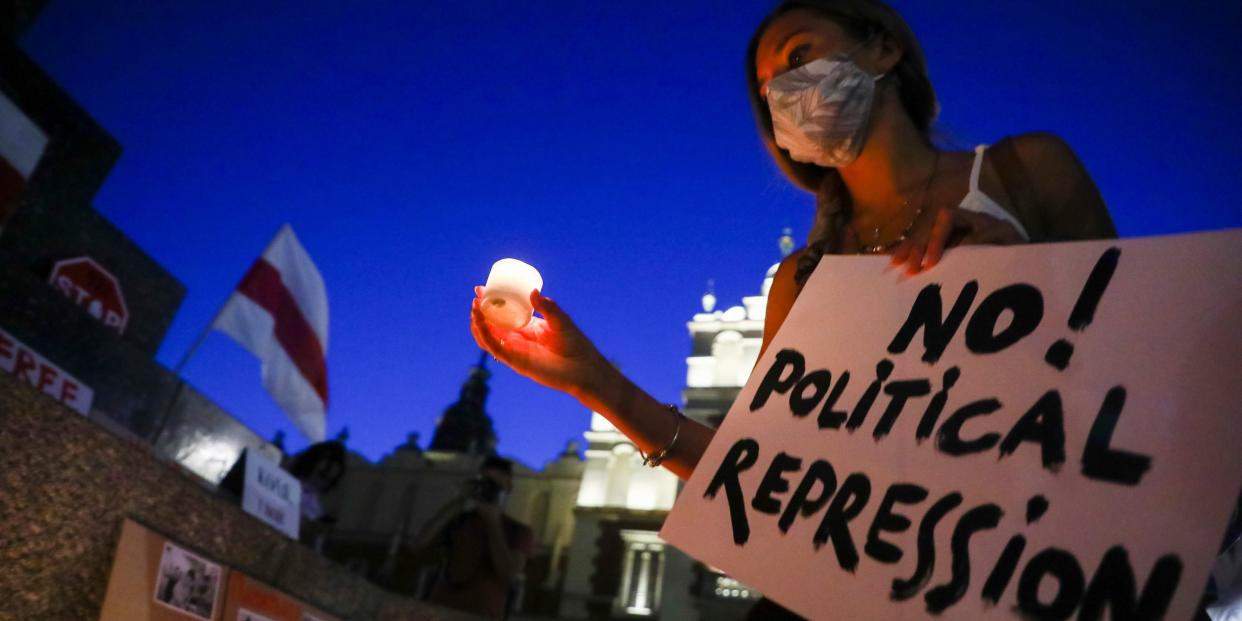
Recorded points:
(797, 56)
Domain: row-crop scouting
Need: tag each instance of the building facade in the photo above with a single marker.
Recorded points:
(85, 308)
(383, 511)
(618, 567)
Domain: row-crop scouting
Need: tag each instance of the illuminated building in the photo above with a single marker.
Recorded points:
(382, 509)
(724, 348)
(618, 566)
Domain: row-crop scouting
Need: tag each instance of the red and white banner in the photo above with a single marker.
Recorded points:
(21, 361)
(279, 313)
(22, 144)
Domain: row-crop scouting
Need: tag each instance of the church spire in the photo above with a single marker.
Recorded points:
(709, 298)
(465, 426)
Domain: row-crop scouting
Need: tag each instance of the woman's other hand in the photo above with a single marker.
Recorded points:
(550, 349)
(952, 227)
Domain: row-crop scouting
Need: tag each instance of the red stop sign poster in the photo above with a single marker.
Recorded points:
(93, 288)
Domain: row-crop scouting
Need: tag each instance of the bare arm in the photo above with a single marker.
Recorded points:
(647, 422)
(552, 351)
(621, 395)
(1044, 178)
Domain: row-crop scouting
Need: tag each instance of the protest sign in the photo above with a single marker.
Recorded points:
(1046, 431)
(271, 494)
(18, 359)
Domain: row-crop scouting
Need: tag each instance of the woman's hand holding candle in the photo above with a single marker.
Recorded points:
(550, 349)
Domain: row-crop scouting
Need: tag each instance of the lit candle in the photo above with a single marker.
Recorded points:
(506, 296)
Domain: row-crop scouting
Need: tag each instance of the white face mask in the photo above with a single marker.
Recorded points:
(821, 111)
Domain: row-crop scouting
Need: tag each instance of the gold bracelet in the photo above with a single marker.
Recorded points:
(655, 459)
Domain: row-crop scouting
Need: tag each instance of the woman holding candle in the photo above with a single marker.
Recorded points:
(842, 99)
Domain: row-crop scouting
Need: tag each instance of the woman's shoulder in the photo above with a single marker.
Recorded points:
(1032, 147)
(781, 295)
(786, 271)
(1036, 141)
(785, 288)
(1037, 152)
(1044, 175)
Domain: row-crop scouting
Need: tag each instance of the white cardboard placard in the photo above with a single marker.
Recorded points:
(271, 494)
(1035, 489)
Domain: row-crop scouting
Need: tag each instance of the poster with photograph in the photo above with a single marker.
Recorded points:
(154, 579)
(187, 582)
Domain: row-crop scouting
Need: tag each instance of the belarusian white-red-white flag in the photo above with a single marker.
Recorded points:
(279, 313)
(22, 144)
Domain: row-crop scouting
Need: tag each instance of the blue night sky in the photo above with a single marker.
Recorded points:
(410, 144)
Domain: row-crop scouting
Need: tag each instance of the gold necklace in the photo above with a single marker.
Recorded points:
(877, 248)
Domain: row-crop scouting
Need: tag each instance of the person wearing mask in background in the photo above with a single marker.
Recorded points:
(319, 469)
(843, 102)
(485, 551)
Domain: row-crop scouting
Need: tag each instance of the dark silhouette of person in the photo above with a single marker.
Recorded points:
(485, 550)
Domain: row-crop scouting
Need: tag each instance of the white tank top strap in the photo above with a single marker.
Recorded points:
(978, 166)
(979, 202)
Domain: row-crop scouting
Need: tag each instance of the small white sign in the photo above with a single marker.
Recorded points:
(21, 361)
(271, 494)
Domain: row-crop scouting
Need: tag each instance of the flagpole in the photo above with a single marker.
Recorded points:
(181, 383)
(202, 336)
(198, 342)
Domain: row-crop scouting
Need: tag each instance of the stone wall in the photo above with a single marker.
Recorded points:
(66, 484)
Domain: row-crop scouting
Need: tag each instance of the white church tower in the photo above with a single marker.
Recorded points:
(724, 348)
(618, 566)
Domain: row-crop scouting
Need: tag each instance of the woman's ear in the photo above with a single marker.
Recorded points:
(889, 52)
